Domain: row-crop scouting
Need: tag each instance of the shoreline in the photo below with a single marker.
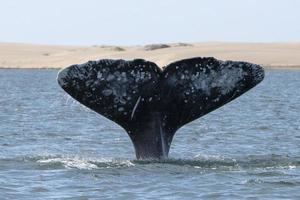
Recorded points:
(59, 68)
(35, 56)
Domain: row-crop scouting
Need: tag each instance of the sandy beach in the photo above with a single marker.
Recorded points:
(270, 55)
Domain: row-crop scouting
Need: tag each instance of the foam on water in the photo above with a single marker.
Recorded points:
(79, 162)
(70, 163)
(214, 162)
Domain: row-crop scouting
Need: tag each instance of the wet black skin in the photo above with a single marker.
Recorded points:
(152, 104)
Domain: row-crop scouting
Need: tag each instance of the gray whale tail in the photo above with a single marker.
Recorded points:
(152, 104)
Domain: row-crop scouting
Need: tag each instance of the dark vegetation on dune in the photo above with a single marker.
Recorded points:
(152, 47)
(112, 48)
(180, 44)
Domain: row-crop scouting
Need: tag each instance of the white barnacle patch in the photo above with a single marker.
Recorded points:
(116, 87)
(120, 109)
(229, 78)
(89, 82)
(107, 92)
(216, 100)
(141, 76)
(99, 75)
(122, 101)
(116, 100)
(225, 79)
(110, 77)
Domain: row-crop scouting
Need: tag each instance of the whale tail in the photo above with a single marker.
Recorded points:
(152, 104)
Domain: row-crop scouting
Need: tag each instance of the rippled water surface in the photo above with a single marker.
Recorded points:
(53, 148)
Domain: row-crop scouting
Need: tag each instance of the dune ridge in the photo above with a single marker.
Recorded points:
(270, 55)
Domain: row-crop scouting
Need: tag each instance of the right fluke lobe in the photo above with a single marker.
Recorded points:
(151, 104)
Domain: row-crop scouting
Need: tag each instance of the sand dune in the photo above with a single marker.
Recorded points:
(273, 55)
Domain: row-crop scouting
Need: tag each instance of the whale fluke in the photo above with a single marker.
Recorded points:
(152, 104)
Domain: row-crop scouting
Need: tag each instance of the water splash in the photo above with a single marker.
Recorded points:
(163, 143)
(69, 163)
(78, 162)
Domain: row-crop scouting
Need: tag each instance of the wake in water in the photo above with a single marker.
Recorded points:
(199, 162)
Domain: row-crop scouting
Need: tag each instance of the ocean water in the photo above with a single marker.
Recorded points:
(53, 148)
